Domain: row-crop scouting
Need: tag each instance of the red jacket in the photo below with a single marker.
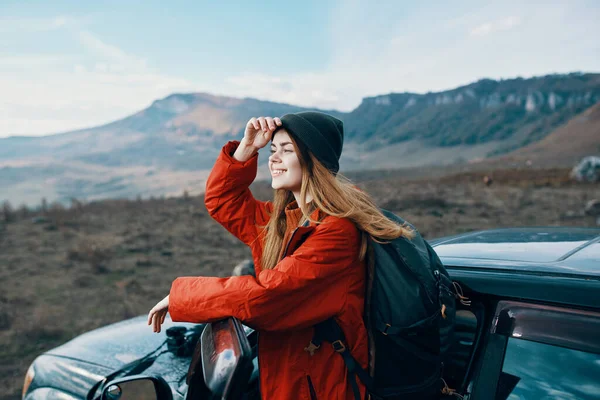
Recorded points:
(319, 277)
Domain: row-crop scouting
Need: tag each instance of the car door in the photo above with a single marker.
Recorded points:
(538, 352)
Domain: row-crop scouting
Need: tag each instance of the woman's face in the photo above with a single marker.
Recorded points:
(284, 163)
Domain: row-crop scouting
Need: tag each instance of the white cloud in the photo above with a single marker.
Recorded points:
(117, 58)
(496, 26)
(32, 60)
(15, 25)
(307, 90)
(100, 85)
(78, 100)
(432, 49)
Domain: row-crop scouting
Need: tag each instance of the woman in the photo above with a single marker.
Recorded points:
(308, 246)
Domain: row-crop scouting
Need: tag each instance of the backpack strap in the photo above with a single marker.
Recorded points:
(331, 332)
(387, 329)
(398, 334)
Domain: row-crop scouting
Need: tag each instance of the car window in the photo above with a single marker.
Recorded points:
(539, 371)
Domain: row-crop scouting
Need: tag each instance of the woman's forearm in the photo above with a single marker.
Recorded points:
(244, 151)
(228, 198)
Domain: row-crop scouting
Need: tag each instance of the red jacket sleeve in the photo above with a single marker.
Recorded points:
(305, 288)
(228, 198)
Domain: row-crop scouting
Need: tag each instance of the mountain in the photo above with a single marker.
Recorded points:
(176, 132)
(162, 150)
(170, 146)
(479, 120)
(566, 145)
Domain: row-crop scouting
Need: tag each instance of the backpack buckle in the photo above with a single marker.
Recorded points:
(311, 348)
(339, 346)
(386, 328)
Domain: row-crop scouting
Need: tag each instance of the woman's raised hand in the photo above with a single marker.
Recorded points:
(259, 131)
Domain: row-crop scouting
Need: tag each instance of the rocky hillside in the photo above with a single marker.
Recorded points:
(169, 147)
(179, 132)
(564, 146)
(480, 120)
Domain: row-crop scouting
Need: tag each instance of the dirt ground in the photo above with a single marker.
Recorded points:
(67, 271)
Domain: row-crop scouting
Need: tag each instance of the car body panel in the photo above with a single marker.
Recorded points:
(71, 376)
(587, 258)
(117, 344)
(542, 251)
(109, 348)
(573, 291)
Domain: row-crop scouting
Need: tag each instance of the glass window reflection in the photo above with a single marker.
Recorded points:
(539, 371)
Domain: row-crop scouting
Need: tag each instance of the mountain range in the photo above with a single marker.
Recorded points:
(170, 146)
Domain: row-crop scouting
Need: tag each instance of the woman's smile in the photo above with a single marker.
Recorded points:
(277, 172)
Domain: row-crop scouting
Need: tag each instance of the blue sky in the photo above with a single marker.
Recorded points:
(71, 64)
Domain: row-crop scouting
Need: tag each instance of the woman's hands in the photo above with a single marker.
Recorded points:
(260, 130)
(257, 135)
(157, 314)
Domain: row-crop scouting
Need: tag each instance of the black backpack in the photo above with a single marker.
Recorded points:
(410, 314)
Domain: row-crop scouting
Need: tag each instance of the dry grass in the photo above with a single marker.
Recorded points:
(67, 271)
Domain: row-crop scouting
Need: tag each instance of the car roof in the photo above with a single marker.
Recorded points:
(559, 265)
(539, 250)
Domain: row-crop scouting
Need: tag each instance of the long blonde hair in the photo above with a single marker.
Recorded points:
(334, 195)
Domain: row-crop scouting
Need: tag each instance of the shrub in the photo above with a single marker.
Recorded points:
(8, 214)
(90, 253)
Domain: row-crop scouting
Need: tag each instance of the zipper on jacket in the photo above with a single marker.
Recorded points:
(311, 388)
(287, 246)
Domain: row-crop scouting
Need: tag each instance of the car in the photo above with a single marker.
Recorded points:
(528, 327)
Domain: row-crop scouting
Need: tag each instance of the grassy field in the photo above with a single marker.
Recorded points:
(66, 271)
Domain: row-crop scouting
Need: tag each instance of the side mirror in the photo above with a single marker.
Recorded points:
(226, 358)
(137, 387)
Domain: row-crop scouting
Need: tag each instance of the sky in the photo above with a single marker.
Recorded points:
(67, 65)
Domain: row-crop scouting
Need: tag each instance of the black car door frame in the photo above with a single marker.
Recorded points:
(555, 325)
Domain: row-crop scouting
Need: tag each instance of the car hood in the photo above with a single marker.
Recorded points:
(113, 346)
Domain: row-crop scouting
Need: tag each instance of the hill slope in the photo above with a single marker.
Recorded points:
(483, 119)
(170, 146)
(567, 144)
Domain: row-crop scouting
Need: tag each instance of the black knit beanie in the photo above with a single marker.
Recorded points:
(323, 134)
